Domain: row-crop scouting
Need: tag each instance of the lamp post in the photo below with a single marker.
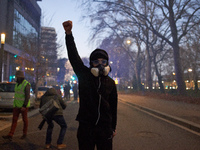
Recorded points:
(190, 78)
(3, 36)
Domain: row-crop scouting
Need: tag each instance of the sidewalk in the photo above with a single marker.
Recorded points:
(184, 114)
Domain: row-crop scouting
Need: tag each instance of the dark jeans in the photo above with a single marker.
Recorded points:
(88, 137)
(61, 122)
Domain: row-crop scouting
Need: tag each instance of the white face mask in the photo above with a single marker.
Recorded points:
(97, 71)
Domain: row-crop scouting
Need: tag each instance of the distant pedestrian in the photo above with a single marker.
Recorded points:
(20, 105)
(97, 113)
(75, 91)
(33, 86)
(67, 91)
(57, 117)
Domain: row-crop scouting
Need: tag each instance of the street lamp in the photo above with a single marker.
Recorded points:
(3, 37)
(189, 70)
(190, 78)
(128, 42)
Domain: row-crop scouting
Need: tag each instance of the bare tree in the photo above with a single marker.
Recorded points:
(105, 21)
(181, 16)
(191, 55)
(119, 60)
(175, 18)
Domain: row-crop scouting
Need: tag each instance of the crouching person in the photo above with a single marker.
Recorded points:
(57, 117)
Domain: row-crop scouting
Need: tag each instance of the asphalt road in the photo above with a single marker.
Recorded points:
(136, 130)
(140, 131)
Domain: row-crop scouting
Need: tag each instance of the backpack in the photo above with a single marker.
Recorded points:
(49, 109)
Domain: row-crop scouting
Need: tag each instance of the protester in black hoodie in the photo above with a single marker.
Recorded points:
(97, 114)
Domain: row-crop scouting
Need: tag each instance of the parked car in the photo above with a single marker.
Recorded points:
(7, 92)
(41, 91)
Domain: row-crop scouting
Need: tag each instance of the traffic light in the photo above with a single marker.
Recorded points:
(15, 55)
(11, 78)
(73, 78)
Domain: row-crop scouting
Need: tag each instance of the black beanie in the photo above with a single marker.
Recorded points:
(98, 53)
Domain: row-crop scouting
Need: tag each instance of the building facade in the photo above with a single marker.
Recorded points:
(20, 21)
(48, 54)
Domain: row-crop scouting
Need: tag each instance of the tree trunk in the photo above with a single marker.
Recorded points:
(175, 44)
(138, 71)
(159, 77)
(195, 78)
(179, 74)
(135, 86)
(148, 68)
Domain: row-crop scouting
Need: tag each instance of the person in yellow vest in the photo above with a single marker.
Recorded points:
(20, 105)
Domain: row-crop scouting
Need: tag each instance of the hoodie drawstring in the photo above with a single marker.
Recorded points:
(99, 113)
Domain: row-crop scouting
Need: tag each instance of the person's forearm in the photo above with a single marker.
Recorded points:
(27, 95)
(73, 55)
(68, 32)
(71, 47)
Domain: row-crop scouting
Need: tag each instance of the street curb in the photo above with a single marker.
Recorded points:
(185, 123)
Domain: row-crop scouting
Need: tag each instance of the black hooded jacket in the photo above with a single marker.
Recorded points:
(98, 96)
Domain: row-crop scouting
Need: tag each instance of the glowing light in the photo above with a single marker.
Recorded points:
(116, 81)
(3, 38)
(128, 41)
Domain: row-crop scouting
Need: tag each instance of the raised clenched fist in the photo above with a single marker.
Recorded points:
(67, 25)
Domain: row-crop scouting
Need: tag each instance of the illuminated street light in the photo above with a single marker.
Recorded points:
(128, 42)
(3, 38)
(190, 78)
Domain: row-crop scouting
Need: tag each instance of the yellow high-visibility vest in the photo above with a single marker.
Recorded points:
(20, 94)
